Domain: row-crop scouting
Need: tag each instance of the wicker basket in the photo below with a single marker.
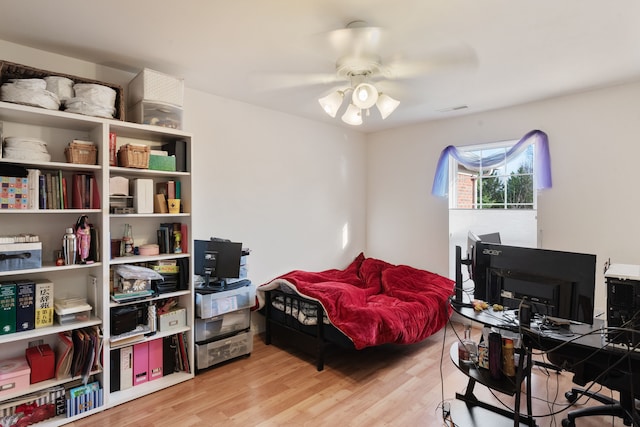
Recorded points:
(10, 70)
(85, 154)
(134, 156)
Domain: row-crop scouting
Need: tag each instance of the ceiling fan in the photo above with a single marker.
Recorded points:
(361, 73)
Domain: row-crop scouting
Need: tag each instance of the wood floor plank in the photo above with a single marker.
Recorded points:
(383, 386)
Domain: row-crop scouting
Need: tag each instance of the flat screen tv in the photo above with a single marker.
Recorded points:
(554, 283)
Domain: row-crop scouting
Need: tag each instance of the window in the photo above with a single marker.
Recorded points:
(493, 179)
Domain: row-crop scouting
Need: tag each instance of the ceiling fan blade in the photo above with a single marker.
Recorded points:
(278, 81)
(455, 57)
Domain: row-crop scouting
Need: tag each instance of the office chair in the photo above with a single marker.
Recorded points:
(618, 378)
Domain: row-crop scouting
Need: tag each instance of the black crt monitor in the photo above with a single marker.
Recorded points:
(217, 259)
(554, 283)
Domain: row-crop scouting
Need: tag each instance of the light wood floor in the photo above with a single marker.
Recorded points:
(386, 386)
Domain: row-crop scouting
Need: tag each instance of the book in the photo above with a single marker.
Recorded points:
(64, 355)
(33, 177)
(43, 303)
(7, 308)
(42, 191)
(114, 359)
(25, 307)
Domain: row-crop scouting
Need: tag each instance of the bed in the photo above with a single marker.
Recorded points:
(369, 303)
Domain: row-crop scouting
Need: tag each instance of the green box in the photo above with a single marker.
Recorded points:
(162, 163)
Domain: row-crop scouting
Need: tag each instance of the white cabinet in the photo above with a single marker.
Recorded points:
(58, 129)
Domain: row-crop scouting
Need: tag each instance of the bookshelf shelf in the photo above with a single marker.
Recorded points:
(58, 129)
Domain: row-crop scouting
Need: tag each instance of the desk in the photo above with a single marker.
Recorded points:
(504, 321)
(582, 345)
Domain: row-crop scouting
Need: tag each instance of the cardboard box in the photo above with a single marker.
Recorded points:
(175, 319)
(41, 360)
(14, 375)
(20, 256)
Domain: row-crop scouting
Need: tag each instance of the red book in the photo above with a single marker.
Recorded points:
(184, 242)
(65, 200)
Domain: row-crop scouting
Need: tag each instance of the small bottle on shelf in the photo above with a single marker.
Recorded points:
(508, 362)
(467, 348)
(127, 239)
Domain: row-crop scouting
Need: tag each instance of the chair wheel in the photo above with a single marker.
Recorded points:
(571, 396)
(568, 423)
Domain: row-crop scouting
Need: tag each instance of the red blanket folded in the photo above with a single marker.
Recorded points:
(373, 302)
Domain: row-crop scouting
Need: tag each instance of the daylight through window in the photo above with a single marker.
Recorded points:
(507, 185)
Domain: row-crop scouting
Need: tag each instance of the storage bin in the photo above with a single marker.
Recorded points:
(162, 163)
(156, 86)
(156, 113)
(81, 153)
(217, 303)
(42, 363)
(207, 329)
(80, 313)
(215, 352)
(175, 319)
(10, 70)
(14, 375)
(20, 256)
(134, 156)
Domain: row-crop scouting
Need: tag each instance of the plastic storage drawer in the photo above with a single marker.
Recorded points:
(236, 321)
(222, 350)
(218, 303)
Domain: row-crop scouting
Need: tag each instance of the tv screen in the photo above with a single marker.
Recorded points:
(560, 284)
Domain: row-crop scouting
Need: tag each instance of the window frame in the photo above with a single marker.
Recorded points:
(453, 175)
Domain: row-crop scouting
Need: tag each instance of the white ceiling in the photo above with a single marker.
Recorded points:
(524, 49)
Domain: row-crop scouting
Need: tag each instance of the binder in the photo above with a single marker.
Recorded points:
(168, 355)
(115, 359)
(155, 359)
(140, 363)
(126, 367)
(179, 149)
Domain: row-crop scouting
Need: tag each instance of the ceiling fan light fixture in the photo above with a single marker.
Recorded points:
(386, 105)
(353, 115)
(364, 95)
(332, 102)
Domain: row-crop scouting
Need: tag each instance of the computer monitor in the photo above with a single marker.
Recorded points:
(217, 259)
(478, 275)
(554, 283)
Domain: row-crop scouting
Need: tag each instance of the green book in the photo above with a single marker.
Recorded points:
(7, 308)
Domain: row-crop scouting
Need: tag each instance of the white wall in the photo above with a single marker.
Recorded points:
(284, 186)
(593, 206)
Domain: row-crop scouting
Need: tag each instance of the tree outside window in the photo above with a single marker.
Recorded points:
(508, 186)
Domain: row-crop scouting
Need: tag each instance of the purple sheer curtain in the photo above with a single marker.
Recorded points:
(471, 161)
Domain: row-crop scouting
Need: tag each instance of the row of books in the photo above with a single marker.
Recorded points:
(50, 190)
(78, 353)
(173, 238)
(25, 305)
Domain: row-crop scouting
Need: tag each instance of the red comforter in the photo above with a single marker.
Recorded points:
(373, 302)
